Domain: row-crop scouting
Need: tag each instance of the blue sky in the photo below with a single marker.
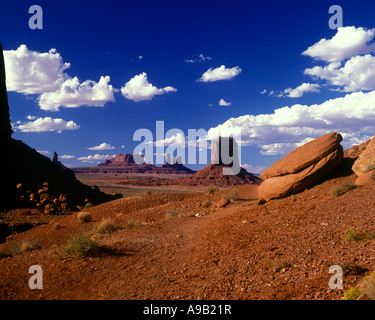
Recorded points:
(143, 61)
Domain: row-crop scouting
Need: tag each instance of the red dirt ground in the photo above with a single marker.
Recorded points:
(228, 253)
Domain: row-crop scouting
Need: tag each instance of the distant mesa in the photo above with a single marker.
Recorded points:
(122, 159)
(124, 163)
(302, 168)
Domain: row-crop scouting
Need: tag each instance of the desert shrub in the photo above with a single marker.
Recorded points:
(5, 252)
(28, 245)
(174, 213)
(232, 195)
(351, 234)
(88, 205)
(131, 223)
(205, 204)
(210, 190)
(84, 216)
(367, 286)
(147, 192)
(105, 226)
(279, 265)
(372, 176)
(352, 294)
(340, 190)
(81, 244)
(56, 226)
(16, 247)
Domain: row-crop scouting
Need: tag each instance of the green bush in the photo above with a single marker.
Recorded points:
(105, 226)
(88, 205)
(56, 226)
(351, 234)
(12, 248)
(174, 213)
(81, 244)
(232, 195)
(352, 294)
(131, 223)
(84, 216)
(340, 190)
(210, 190)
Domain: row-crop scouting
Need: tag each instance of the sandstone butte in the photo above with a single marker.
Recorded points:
(301, 168)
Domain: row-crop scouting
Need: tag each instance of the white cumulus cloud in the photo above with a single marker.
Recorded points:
(220, 73)
(224, 103)
(346, 43)
(102, 146)
(139, 89)
(46, 124)
(73, 94)
(67, 156)
(32, 72)
(94, 158)
(300, 90)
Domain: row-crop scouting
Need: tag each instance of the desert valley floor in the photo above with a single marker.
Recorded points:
(279, 250)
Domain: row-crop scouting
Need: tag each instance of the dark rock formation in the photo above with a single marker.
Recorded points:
(55, 159)
(5, 126)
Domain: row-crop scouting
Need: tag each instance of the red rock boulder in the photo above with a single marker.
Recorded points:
(301, 168)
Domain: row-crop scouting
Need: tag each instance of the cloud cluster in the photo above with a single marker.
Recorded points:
(199, 58)
(139, 89)
(349, 65)
(358, 73)
(31, 72)
(220, 73)
(352, 115)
